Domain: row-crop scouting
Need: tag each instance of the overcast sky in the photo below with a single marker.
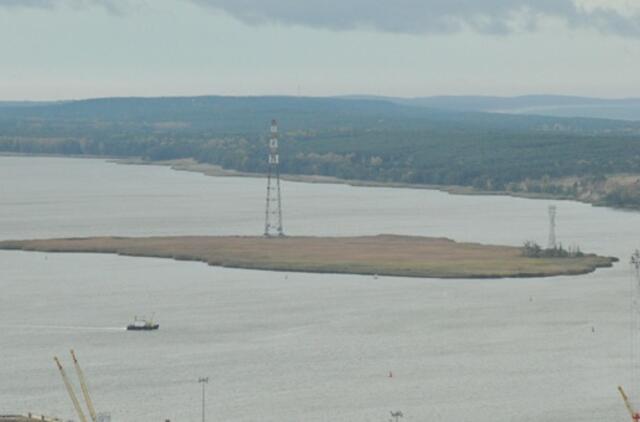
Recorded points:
(61, 49)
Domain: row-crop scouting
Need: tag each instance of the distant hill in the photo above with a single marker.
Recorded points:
(543, 105)
(192, 107)
(243, 115)
(16, 104)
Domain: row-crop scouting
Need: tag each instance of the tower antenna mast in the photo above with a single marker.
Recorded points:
(273, 212)
(635, 332)
(551, 244)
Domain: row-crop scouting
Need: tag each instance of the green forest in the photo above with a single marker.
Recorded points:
(371, 140)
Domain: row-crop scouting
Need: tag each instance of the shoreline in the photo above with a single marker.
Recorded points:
(214, 170)
(381, 255)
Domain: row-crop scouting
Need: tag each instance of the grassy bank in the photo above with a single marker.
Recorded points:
(389, 255)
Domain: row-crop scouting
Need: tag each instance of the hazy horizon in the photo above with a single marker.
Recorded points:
(329, 96)
(75, 49)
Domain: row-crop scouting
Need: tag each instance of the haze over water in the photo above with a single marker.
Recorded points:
(302, 347)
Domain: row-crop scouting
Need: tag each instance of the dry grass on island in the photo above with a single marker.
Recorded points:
(389, 255)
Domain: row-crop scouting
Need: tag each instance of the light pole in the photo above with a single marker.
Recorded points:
(203, 381)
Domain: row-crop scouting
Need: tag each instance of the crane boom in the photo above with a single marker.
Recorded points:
(635, 416)
(85, 389)
(74, 399)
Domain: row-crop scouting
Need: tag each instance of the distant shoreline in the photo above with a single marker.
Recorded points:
(595, 199)
(384, 255)
(190, 165)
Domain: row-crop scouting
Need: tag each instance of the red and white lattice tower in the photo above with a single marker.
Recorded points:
(273, 213)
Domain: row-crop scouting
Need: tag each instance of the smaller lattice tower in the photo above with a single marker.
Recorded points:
(551, 244)
(634, 357)
(273, 213)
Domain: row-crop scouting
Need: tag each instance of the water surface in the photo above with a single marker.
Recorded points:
(302, 347)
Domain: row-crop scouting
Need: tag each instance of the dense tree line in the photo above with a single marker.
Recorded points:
(364, 140)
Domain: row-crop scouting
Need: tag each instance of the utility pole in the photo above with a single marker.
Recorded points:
(203, 381)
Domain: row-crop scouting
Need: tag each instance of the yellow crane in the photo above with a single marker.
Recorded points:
(72, 394)
(84, 388)
(635, 416)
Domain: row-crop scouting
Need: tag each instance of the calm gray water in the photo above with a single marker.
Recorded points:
(302, 347)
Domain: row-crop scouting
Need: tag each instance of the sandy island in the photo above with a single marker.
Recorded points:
(389, 255)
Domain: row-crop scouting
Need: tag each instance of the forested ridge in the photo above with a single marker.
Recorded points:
(364, 139)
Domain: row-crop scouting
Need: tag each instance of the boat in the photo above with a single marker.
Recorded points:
(142, 324)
